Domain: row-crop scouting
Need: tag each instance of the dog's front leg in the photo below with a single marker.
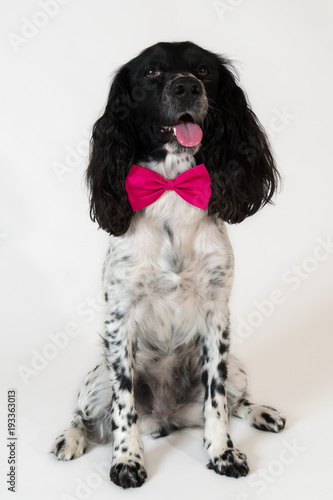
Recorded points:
(224, 457)
(127, 468)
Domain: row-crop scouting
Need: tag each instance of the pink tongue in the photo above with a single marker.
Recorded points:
(188, 134)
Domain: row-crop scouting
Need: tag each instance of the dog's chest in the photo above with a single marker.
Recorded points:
(169, 270)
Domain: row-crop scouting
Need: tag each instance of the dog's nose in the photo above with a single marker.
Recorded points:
(186, 88)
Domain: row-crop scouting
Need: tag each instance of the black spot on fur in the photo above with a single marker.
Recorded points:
(225, 334)
(269, 419)
(125, 383)
(204, 380)
(106, 343)
(204, 358)
(213, 388)
(222, 369)
(132, 418)
(222, 348)
(117, 364)
(119, 315)
(114, 426)
(59, 446)
(220, 389)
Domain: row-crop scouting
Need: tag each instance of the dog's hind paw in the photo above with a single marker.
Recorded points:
(266, 418)
(71, 444)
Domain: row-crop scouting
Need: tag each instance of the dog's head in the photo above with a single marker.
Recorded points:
(179, 98)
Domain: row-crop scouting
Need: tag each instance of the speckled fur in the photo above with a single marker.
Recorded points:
(166, 358)
(169, 268)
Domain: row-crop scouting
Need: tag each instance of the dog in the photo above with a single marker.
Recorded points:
(176, 154)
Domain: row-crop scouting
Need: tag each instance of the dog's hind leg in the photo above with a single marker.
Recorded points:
(261, 417)
(91, 420)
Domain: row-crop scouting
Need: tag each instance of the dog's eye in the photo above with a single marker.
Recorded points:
(152, 73)
(203, 70)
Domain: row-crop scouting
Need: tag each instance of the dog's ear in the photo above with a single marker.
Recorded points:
(111, 156)
(236, 154)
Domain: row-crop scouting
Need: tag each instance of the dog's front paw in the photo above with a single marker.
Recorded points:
(230, 463)
(128, 474)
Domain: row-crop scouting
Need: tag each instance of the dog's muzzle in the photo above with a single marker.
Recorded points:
(184, 106)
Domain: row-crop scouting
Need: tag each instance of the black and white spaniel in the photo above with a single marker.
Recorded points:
(174, 115)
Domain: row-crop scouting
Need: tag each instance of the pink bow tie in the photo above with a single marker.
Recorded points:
(144, 186)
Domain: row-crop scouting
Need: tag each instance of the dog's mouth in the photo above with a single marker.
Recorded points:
(186, 132)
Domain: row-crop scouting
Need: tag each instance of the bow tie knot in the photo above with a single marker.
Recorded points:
(144, 186)
(170, 184)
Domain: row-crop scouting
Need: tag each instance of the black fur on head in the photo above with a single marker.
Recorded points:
(136, 126)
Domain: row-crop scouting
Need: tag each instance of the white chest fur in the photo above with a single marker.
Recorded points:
(171, 268)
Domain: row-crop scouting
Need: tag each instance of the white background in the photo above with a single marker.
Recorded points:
(56, 69)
